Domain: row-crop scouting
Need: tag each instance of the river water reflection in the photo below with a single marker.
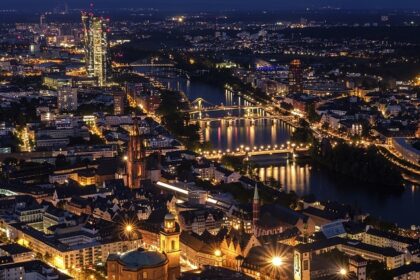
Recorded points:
(303, 178)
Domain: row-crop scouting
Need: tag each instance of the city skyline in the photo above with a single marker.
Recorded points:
(216, 5)
(257, 143)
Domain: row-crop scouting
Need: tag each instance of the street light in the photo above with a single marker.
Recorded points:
(342, 272)
(217, 253)
(276, 261)
(129, 228)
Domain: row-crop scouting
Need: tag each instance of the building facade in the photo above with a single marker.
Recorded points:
(67, 99)
(295, 77)
(119, 103)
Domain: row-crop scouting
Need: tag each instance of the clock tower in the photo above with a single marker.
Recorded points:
(169, 244)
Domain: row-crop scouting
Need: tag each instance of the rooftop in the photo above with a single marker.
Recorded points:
(139, 259)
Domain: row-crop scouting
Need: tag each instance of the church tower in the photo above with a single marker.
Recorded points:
(169, 244)
(135, 158)
(255, 209)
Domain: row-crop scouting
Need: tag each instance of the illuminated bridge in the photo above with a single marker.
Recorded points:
(277, 150)
(231, 120)
(198, 107)
(252, 113)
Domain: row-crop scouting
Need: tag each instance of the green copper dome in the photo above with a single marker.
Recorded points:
(140, 258)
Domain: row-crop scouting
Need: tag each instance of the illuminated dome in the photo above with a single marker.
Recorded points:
(139, 259)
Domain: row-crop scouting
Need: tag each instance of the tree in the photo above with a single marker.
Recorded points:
(232, 162)
(302, 135)
(176, 121)
(380, 224)
(61, 161)
(366, 165)
(312, 114)
(286, 106)
(377, 271)
(272, 182)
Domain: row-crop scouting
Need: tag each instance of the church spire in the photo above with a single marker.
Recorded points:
(135, 157)
(255, 209)
(256, 196)
(135, 129)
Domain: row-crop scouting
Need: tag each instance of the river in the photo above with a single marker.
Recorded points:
(303, 178)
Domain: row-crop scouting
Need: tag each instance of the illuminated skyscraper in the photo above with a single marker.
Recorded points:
(97, 59)
(42, 21)
(119, 103)
(295, 77)
(136, 155)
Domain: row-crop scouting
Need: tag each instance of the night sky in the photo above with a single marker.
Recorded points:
(214, 4)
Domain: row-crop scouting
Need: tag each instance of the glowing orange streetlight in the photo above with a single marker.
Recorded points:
(128, 228)
(276, 261)
(342, 272)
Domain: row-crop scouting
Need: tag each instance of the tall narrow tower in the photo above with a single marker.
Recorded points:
(135, 158)
(169, 244)
(255, 209)
(98, 63)
(295, 77)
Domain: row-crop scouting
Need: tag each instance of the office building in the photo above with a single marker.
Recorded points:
(119, 103)
(67, 99)
(96, 47)
(295, 77)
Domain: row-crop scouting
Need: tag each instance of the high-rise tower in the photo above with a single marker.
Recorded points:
(98, 63)
(295, 77)
(169, 244)
(135, 158)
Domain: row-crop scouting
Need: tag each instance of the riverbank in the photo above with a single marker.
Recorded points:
(364, 164)
(302, 178)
